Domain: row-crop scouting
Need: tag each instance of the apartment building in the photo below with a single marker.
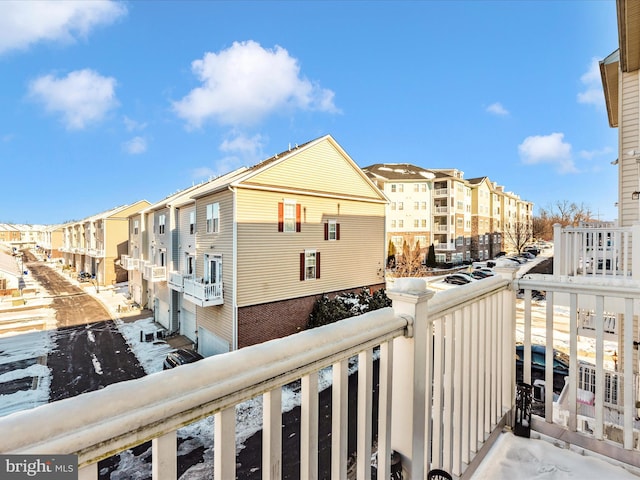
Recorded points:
(95, 244)
(463, 219)
(242, 259)
(486, 233)
(410, 210)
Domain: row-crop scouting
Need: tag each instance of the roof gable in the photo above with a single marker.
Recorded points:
(318, 167)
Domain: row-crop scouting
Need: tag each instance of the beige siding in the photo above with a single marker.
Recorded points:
(269, 261)
(321, 168)
(629, 133)
(217, 319)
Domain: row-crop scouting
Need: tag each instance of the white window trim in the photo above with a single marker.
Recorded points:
(289, 216)
(333, 230)
(213, 217)
(307, 265)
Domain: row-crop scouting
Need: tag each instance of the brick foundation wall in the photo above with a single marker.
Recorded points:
(260, 323)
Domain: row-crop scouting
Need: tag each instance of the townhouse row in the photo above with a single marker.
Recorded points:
(465, 220)
(242, 258)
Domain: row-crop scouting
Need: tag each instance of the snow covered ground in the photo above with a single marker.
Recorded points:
(510, 457)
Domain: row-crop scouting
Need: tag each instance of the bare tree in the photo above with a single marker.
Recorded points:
(563, 212)
(518, 235)
(410, 263)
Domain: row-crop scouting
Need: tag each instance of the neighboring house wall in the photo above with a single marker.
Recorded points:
(628, 133)
(356, 259)
(219, 320)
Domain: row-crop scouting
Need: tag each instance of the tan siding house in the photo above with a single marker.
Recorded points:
(621, 84)
(268, 241)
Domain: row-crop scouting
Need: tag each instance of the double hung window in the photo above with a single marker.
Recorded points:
(213, 218)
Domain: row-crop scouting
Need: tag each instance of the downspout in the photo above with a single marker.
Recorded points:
(234, 281)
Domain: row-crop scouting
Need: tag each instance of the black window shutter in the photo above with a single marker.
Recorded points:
(326, 231)
(317, 264)
(337, 231)
(302, 267)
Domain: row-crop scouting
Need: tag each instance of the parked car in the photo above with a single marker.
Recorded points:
(179, 357)
(479, 274)
(459, 278)
(85, 277)
(527, 255)
(538, 363)
(486, 269)
(518, 260)
(499, 254)
(533, 250)
(535, 294)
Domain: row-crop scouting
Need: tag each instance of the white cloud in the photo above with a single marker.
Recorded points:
(23, 23)
(245, 83)
(82, 97)
(497, 109)
(133, 125)
(249, 147)
(135, 146)
(592, 93)
(551, 149)
(591, 154)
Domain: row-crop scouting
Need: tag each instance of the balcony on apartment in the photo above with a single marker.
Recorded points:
(441, 210)
(461, 342)
(95, 250)
(154, 273)
(129, 263)
(176, 280)
(201, 292)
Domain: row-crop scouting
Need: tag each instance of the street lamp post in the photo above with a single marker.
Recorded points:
(97, 275)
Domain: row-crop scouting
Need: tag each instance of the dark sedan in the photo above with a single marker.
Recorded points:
(179, 357)
(538, 362)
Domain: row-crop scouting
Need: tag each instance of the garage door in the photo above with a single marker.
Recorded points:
(161, 314)
(188, 324)
(210, 344)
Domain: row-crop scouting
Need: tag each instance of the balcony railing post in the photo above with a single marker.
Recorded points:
(411, 375)
(635, 251)
(558, 250)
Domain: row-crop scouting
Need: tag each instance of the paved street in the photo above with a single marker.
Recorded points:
(87, 352)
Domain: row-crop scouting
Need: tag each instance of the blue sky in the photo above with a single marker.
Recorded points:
(106, 103)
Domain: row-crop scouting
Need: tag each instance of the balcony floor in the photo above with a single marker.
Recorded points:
(539, 457)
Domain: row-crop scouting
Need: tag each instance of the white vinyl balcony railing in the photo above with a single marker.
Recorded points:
(176, 280)
(446, 389)
(129, 263)
(202, 293)
(587, 324)
(441, 228)
(611, 413)
(95, 252)
(439, 192)
(441, 209)
(154, 273)
(595, 251)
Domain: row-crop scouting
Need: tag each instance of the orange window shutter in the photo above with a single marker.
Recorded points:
(281, 217)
